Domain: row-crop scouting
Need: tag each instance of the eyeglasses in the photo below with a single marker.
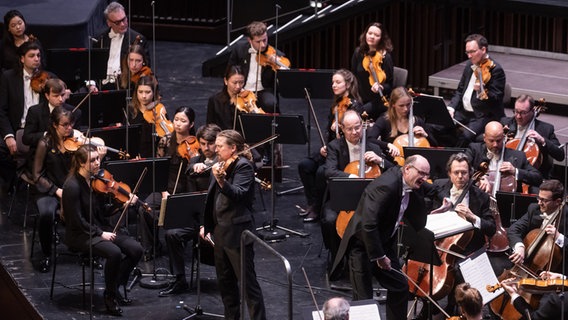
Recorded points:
(539, 199)
(119, 22)
(352, 129)
(522, 113)
(471, 51)
(420, 172)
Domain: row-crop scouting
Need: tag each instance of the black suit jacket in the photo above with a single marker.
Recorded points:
(550, 151)
(37, 122)
(477, 153)
(130, 34)
(478, 204)
(338, 157)
(549, 307)
(229, 213)
(11, 101)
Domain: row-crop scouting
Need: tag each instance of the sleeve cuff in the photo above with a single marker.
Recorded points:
(560, 240)
(477, 222)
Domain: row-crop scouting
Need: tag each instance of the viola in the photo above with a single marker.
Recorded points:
(188, 147)
(343, 104)
(38, 80)
(482, 76)
(245, 101)
(104, 182)
(73, 143)
(372, 63)
(155, 113)
(279, 62)
(535, 286)
(144, 72)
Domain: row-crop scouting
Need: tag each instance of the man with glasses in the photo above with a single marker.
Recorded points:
(543, 215)
(118, 39)
(475, 103)
(542, 133)
(371, 234)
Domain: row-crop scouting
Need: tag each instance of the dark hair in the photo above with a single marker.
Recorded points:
(208, 132)
(525, 97)
(459, 157)
(232, 70)
(9, 16)
(54, 85)
(126, 74)
(469, 299)
(553, 186)
(190, 114)
(255, 28)
(80, 157)
(143, 81)
(481, 40)
(31, 44)
(351, 83)
(384, 44)
(54, 120)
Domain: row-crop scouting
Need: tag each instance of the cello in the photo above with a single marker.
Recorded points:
(409, 140)
(363, 170)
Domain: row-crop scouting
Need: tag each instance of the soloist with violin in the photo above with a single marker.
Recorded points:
(259, 62)
(228, 212)
(373, 66)
(479, 96)
(120, 251)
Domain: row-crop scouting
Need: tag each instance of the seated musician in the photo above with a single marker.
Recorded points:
(311, 169)
(540, 216)
(514, 163)
(552, 305)
(258, 78)
(469, 301)
(134, 66)
(341, 152)
(197, 180)
(396, 122)
(121, 251)
(542, 133)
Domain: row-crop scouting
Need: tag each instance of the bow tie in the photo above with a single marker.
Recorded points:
(252, 51)
(455, 193)
(26, 77)
(113, 34)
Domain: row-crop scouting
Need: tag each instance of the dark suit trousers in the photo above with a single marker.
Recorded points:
(46, 206)
(361, 274)
(227, 265)
(176, 240)
(312, 174)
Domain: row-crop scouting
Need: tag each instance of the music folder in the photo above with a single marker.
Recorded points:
(447, 224)
(182, 210)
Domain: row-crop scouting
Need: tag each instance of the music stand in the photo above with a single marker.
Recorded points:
(183, 210)
(291, 130)
(512, 206)
(344, 193)
(115, 137)
(72, 64)
(128, 171)
(433, 110)
(437, 157)
(106, 108)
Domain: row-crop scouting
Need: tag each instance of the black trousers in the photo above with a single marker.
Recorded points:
(46, 206)
(312, 175)
(176, 241)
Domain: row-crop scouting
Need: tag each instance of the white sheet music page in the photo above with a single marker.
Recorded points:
(364, 312)
(447, 224)
(478, 272)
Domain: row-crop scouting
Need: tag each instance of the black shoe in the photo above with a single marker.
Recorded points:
(123, 301)
(45, 265)
(177, 287)
(311, 217)
(97, 263)
(112, 305)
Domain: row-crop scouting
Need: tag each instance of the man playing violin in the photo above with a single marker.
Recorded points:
(258, 79)
(198, 166)
(542, 134)
(476, 102)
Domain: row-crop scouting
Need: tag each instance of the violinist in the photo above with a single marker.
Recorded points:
(14, 36)
(134, 65)
(476, 102)
(120, 251)
(542, 134)
(258, 79)
(375, 44)
(221, 107)
(228, 212)
(345, 97)
(538, 216)
(514, 163)
(198, 173)
(469, 301)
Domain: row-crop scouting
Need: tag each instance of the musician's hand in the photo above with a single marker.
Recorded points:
(102, 152)
(384, 263)
(507, 167)
(548, 275)
(419, 131)
(333, 125)
(518, 256)
(375, 88)
(165, 194)
(551, 230)
(484, 185)
(199, 167)
(451, 111)
(11, 144)
(476, 86)
(465, 212)
(59, 193)
(133, 199)
(323, 151)
(66, 94)
(108, 236)
(393, 150)
(536, 136)
(219, 173)
(370, 156)
(509, 286)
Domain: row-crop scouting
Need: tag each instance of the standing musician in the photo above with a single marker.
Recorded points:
(341, 152)
(121, 252)
(542, 134)
(228, 212)
(118, 39)
(199, 175)
(259, 79)
(370, 235)
(514, 163)
(479, 96)
(375, 46)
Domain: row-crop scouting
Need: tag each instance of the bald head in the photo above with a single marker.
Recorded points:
(493, 136)
(416, 170)
(336, 309)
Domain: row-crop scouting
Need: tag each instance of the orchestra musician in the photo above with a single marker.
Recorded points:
(221, 107)
(121, 252)
(134, 65)
(258, 79)
(375, 43)
(542, 134)
(14, 36)
(199, 176)
(370, 235)
(514, 163)
(228, 212)
(475, 102)
(469, 301)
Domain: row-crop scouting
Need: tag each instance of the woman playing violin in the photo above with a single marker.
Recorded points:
(346, 96)
(14, 36)
(376, 44)
(221, 108)
(134, 66)
(120, 251)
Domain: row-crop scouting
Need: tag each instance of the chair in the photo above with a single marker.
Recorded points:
(22, 174)
(399, 77)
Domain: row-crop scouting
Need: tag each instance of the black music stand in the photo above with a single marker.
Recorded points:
(437, 157)
(183, 210)
(433, 110)
(72, 64)
(344, 193)
(107, 108)
(115, 137)
(512, 205)
(128, 171)
(290, 130)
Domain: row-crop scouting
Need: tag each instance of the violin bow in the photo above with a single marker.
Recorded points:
(81, 102)
(423, 292)
(314, 116)
(312, 293)
(127, 203)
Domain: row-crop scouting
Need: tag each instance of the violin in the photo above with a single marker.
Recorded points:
(188, 147)
(279, 62)
(535, 286)
(155, 113)
(144, 72)
(245, 101)
(343, 104)
(73, 143)
(104, 182)
(38, 80)
(483, 75)
(372, 63)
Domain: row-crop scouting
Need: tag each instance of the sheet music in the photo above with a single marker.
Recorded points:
(447, 224)
(363, 312)
(479, 273)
